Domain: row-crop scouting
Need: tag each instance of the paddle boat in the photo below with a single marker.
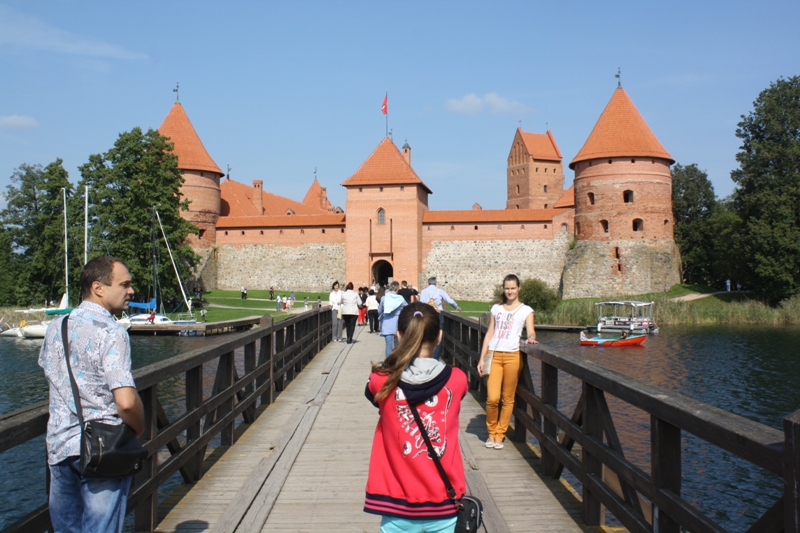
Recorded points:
(625, 315)
(622, 339)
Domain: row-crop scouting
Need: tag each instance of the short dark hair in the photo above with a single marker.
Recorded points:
(349, 286)
(98, 269)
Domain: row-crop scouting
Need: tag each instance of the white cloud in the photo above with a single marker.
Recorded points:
(18, 122)
(472, 104)
(25, 31)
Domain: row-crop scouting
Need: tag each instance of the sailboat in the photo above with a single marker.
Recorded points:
(151, 317)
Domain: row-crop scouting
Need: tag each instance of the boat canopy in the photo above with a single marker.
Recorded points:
(152, 304)
(625, 302)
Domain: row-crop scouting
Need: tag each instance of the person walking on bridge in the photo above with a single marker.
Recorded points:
(403, 485)
(505, 364)
(388, 313)
(436, 297)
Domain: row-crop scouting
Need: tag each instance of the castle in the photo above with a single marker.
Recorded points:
(611, 233)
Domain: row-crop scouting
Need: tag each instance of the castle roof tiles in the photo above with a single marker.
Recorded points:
(192, 155)
(620, 132)
(490, 216)
(542, 146)
(237, 201)
(385, 166)
(567, 199)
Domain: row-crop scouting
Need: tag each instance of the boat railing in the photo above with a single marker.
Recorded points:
(587, 444)
(193, 402)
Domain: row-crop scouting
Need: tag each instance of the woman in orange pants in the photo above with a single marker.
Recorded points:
(505, 363)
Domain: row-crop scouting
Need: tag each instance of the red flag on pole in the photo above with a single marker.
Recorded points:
(385, 106)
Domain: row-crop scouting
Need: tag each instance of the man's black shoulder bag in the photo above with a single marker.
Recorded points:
(107, 450)
(470, 509)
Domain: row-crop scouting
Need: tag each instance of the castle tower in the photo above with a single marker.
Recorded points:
(623, 209)
(535, 174)
(386, 201)
(201, 175)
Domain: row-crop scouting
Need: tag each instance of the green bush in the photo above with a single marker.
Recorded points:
(535, 293)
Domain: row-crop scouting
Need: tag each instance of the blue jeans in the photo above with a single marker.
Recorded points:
(390, 524)
(391, 343)
(79, 504)
(437, 352)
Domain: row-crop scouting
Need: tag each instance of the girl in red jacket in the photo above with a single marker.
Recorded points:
(403, 485)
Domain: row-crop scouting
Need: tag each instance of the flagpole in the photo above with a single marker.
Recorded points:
(387, 114)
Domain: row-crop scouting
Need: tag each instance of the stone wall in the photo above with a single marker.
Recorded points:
(470, 270)
(207, 268)
(309, 267)
(618, 268)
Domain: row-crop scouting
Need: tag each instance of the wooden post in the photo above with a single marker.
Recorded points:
(249, 413)
(791, 472)
(194, 397)
(146, 515)
(550, 429)
(225, 380)
(592, 427)
(665, 465)
(265, 358)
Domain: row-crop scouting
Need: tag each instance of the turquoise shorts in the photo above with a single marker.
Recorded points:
(405, 525)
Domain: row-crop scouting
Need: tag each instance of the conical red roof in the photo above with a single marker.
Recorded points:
(192, 155)
(385, 166)
(620, 132)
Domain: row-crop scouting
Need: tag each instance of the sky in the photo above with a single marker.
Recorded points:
(279, 90)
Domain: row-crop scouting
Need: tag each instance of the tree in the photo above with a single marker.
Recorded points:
(34, 220)
(8, 274)
(767, 198)
(535, 293)
(725, 226)
(139, 172)
(693, 203)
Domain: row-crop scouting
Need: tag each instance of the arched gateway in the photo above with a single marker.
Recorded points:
(382, 272)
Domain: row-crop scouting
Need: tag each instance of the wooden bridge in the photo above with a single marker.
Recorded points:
(270, 431)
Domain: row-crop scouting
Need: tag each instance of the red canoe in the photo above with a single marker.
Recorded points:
(630, 340)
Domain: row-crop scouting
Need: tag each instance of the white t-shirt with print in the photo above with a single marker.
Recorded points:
(508, 327)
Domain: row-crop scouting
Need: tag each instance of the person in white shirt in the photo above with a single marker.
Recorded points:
(504, 366)
(335, 299)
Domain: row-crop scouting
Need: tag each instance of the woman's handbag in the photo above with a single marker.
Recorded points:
(339, 314)
(487, 362)
(107, 450)
(470, 509)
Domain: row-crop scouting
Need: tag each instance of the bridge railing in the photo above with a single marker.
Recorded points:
(218, 387)
(639, 500)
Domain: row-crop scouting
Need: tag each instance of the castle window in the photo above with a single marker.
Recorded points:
(666, 222)
(381, 216)
(591, 198)
(402, 188)
(201, 174)
(616, 252)
(290, 211)
(578, 228)
(476, 227)
(361, 189)
(609, 161)
(202, 232)
(545, 226)
(323, 230)
(522, 226)
(226, 233)
(452, 228)
(563, 227)
(499, 226)
(242, 232)
(517, 206)
(545, 169)
(633, 161)
(638, 224)
(545, 188)
(429, 228)
(262, 232)
(342, 230)
(280, 232)
(537, 169)
(545, 206)
(181, 172)
(627, 196)
(302, 231)
(619, 267)
(381, 189)
(604, 224)
(517, 189)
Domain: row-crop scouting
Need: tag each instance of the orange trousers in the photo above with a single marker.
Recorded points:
(501, 385)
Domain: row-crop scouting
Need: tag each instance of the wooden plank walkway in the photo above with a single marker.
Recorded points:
(302, 466)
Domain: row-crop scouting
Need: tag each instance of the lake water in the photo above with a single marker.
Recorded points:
(750, 371)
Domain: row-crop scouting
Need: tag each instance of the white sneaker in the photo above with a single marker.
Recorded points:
(489, 443)
(499, 445)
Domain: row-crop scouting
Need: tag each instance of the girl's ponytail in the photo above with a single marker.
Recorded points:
(418, 325)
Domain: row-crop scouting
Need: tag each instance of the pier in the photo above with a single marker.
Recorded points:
(269, 430)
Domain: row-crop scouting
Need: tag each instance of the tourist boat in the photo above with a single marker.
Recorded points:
(619, 340)
(625, 315)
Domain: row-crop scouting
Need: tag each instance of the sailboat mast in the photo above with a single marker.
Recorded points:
(86, 225)
(177, 275)
(154, 262)
(66, 262)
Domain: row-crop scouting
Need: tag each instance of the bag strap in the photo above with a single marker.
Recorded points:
(451, 492)
(75, 392)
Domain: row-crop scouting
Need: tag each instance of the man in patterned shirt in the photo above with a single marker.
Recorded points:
(100, 356)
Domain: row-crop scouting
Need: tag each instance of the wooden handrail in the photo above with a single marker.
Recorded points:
(635, 497)
(213, 405)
